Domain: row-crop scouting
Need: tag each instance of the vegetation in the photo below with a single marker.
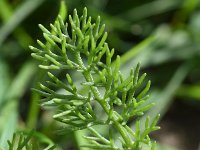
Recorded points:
(85, 85)
(104, 97)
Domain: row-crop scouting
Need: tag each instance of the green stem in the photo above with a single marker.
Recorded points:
(87, 75)
(106, 108)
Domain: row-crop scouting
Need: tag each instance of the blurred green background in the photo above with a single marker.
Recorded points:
(163, 35)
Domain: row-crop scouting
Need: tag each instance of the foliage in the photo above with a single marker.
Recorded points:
(81, 50)
(21, 140)
(162, 35)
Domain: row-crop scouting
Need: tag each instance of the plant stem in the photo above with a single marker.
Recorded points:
(106, 108)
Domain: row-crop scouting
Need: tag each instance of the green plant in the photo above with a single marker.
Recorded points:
(21, 140)
(103, 97)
